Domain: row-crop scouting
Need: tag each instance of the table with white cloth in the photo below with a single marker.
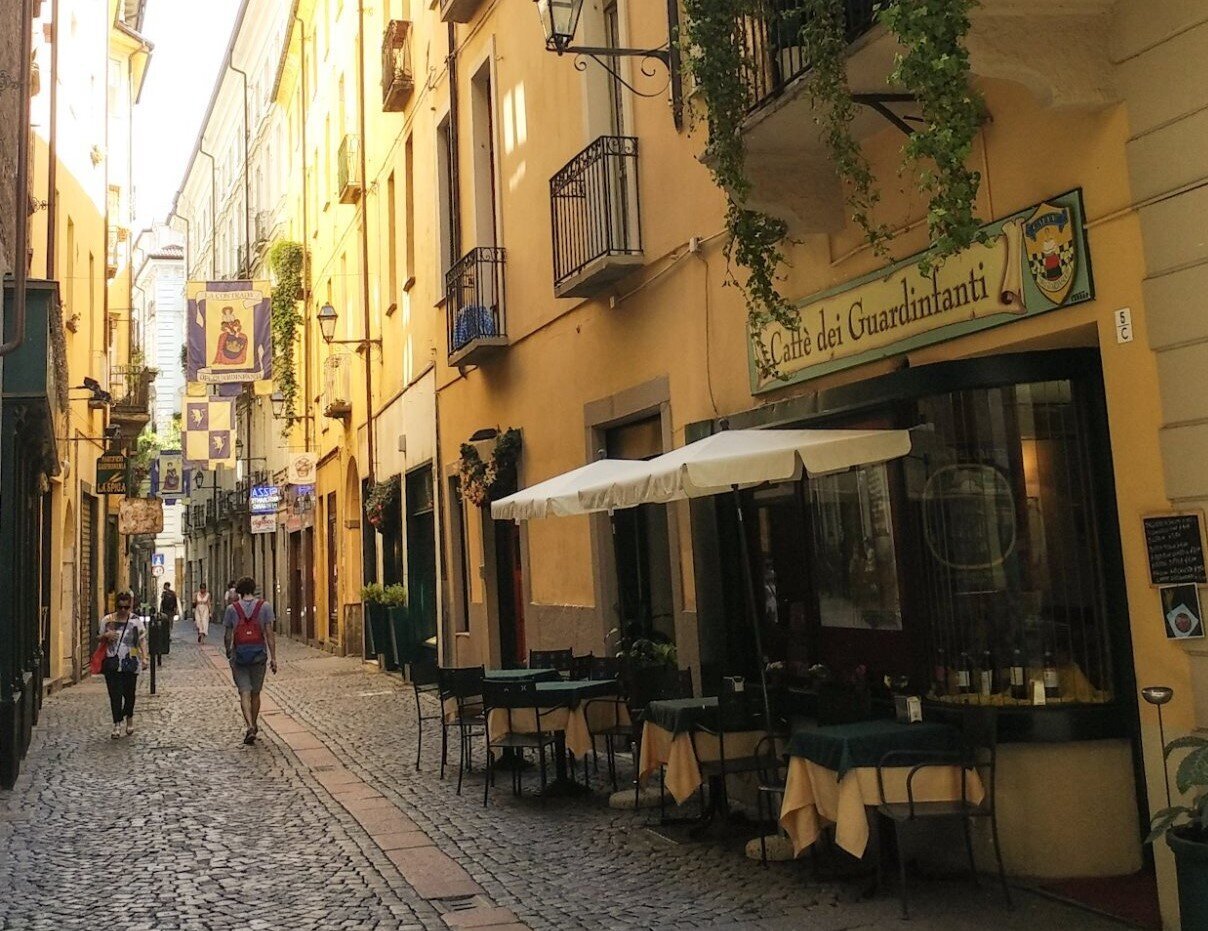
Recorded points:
(832, 777)
(668, 739)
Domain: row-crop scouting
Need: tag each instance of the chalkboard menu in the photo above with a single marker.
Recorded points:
(1175, 546)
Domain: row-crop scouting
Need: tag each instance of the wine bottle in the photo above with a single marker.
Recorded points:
(985, 675)
(1018, 676)
(1052, 684)
(964, 675)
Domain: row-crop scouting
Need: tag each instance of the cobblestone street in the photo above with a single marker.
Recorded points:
(326, 824)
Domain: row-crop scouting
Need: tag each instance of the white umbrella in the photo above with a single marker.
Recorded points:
(559, 496)
(741, 458)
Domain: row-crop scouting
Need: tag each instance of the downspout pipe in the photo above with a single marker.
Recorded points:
(21, 186)
(370, 443)
(213, 212)
(52, 143)
(306, 334)
(247, 171)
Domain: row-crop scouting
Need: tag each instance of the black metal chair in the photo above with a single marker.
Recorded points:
(551, 659)
(462, 686)
(604, 667)
(740, 709)
(639, 687)
(770, 788)
(511, 697)
(580, 666)
(424, 681)
(978, 753)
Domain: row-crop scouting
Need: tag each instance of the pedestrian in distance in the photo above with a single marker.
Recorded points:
(125, 638)
(231, 596)
(251, 646)
(169, 605)
(202, 602)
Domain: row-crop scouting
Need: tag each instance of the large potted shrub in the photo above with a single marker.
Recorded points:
(1186, 830)
(394, 599)
(377, 635)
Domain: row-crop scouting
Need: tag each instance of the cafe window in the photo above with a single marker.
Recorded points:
(1009, 554)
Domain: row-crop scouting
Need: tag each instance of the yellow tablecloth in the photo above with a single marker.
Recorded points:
(683, 759)
(814, 794)
(574, 722)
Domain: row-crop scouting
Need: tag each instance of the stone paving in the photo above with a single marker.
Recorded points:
(326, 824)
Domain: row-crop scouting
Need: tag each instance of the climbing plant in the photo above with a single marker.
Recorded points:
(935, 69)
(483, 482)
(287, 259)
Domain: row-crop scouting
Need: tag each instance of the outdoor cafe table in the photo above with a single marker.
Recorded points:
(503, 675)
(832, 777)
(667, 740)
(571, 720)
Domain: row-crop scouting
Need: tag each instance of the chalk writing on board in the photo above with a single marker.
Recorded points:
(1174, 544)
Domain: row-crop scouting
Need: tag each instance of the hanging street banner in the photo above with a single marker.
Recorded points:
(111, 474)
(264, 523)
(208, 432)
(171, 475)
(264, 499)
(229, 332)
(302, 468)
(1030, 263)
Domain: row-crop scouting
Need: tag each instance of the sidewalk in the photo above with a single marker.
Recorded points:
(326, 824)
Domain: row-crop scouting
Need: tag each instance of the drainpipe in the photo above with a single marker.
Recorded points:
(21, 201)
(188, 239)
(306, 334)
(213, 212)
(247, 171)
(369, 431)
(52, 168)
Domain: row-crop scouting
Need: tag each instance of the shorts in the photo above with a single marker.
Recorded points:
(249, 678)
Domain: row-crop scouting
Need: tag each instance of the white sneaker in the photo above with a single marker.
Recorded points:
(117, 732)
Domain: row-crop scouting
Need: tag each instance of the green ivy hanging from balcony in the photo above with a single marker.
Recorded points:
(934, 68)
(287, 260)
(484, 482)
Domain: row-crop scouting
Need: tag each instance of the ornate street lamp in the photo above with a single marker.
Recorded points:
(328, 317)
(560, 20)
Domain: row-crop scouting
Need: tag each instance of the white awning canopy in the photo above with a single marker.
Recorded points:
(559, 496)
(741, 458)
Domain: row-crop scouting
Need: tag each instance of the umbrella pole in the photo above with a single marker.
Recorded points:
(752, 608)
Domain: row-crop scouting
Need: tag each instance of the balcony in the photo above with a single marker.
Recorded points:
(348, 169)
(337, 386)
(130, 390)
(596, 219)
(263, 226)
(1055, 50)
(397, 79)
(458, 11)
(474, 306)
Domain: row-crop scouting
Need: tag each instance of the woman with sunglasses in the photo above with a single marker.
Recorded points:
(125, 638)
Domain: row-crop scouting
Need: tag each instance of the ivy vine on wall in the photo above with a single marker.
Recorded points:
(483, 482)
(287, 259)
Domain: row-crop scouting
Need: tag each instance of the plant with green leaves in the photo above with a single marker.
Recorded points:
(373, 594)
(287, 260)
(1188, 821)
(638, 650)
(394, 596)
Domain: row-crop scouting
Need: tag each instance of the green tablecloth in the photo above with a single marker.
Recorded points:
(680, 715)
(841, 747)
(574, 691)
(523, 675)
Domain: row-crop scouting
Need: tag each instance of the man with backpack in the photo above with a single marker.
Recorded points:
(251, 646)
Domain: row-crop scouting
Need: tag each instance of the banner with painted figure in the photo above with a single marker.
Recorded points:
(229, 331)
(170, 475)
(208, 432)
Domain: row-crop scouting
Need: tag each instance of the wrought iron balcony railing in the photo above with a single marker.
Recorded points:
(348, 169)
(397, 79)
(474, 305)
(130, 391)
(770, 46)
(337, 385)
(596, 217)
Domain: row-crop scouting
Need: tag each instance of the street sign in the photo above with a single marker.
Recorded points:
(264, 523)
(157, 571)
(111, 474)
(264, 499)
(157, 559)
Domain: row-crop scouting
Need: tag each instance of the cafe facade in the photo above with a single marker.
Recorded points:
(1003, 561)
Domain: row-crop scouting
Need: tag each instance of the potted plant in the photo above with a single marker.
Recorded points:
(394, 598)
(1186, 830)
(637, 651)
(382, 504)
(373, 598)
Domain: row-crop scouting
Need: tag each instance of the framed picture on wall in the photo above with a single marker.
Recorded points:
(1181, 611)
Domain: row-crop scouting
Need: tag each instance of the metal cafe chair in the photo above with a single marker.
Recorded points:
(462, 686)
(511, 697)
(639, 687)
(978, 753)
(551, 659)
(604, 667)
(580, 666)
(424, 682)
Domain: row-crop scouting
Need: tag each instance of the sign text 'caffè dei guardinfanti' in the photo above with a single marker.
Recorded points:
(1031, 262)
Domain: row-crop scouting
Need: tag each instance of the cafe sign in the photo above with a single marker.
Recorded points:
(1029, 263)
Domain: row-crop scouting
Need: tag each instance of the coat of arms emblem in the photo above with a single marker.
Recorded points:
(1048, 236)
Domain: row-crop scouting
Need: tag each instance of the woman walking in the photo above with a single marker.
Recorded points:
(125, 641)
(201, 612)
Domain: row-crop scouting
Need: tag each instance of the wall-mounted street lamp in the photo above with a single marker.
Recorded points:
(278, 400)
(560, 20)
(328, 317)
